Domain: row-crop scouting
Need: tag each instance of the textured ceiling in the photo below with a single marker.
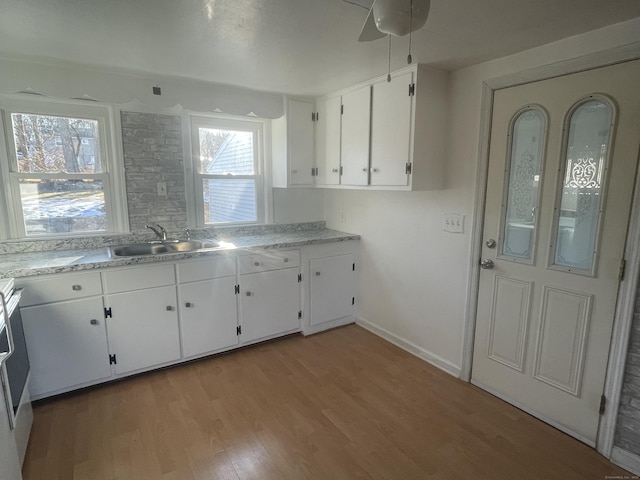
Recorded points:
(298, 47)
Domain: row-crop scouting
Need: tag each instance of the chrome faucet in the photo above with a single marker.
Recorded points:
(187, 233)
(158, 230)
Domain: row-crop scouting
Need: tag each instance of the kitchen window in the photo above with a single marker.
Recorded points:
(58, 170)
(228, 171)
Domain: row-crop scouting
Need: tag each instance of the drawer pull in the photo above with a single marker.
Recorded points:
(257, 264)
(76, 287)
(93, 321)
(169, 308)
(286, 260)
(248, 294)
(317, 274)
(188, 304)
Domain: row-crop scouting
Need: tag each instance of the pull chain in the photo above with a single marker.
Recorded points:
(410, 28)
(389, 65)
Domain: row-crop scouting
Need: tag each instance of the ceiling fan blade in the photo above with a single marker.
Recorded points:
(369, 30)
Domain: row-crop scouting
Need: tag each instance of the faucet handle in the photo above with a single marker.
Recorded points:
(187, 233)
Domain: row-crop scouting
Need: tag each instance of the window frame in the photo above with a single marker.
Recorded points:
(262, 177)
(12, 225)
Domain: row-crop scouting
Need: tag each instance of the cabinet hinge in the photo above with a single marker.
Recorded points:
(112, 359)
(412, 89)
(314, 171)
(603, 404)
(299, 277)
(239, 330)
(341, 170)
(623, 268)
(407, 169)
(299, 313)
(313, 116)
(341, 109)
(353, 300)
(107, 312)
(353, 267)
(236, 289)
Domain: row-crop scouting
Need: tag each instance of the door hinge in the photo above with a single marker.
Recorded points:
(299, 277)
(341, 109)
(112, 359)
(603, 404)
(623, 268)
(412, 89)
(353, 300)
(407, 169)
(299, 313)
(353, 267)
(236, 289)
(239, 330)
(107, 312)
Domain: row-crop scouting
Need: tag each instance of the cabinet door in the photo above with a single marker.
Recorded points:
(143, 328)
(328, 141)
(332, 288)
(269, 303)
(300, 142)
(356, 111)
(208, 315)
(390, 131)
(67, 344)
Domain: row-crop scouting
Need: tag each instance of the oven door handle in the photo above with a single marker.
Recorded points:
(7, 322)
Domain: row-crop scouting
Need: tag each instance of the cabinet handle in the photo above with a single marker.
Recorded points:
(248, 294)
(257, 264)
(365, 169)
(169, 308)
(334, 170)
(188, 304)
(93, 321)
(286, 260)
(317, 274)
(76, 287)
(374, 170)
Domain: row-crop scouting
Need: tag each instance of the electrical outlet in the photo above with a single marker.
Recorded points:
(453, 222)
(162, 189)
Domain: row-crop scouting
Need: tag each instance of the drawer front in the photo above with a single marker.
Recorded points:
(206, 269)
(263, 262)
(57, 287)
(138, 278)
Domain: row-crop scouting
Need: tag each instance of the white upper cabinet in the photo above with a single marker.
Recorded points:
(292, 145)
(356, 115)
(391, 131)
(328, 125)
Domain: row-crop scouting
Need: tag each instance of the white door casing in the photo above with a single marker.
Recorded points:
(542, 335)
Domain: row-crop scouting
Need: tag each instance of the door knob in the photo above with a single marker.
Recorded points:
(486, 264)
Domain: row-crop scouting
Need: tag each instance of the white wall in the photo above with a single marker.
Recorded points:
(413, 276)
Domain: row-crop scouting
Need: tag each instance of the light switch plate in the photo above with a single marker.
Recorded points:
(453, 222)
(162, 189)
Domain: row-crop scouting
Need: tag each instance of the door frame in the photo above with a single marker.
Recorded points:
(627, 288)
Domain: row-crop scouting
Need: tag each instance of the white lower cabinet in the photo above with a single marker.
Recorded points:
(208, 315)
(67, 345)
(143, 329)
(269, 304)
(331, 285)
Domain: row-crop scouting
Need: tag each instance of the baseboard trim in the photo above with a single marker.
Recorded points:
(410, 347)
(627, 460)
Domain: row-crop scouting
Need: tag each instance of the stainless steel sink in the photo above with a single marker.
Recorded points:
(155, 248)
(140, 249)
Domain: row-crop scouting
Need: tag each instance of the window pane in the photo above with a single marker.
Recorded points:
(226, 152)
(48, 144)
(229, 200)
(63, 206)
(524, 182)
(587, 149)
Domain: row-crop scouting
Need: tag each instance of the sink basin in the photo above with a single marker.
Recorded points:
(140, 249)
(190, 245)
(158, 248)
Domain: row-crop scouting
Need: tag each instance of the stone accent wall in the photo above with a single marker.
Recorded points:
(153, 152)
(628, 424)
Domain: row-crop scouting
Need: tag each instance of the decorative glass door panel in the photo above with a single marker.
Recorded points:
(588, 135)
(524, 175)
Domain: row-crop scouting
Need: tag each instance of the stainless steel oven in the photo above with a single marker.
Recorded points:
(14, 364)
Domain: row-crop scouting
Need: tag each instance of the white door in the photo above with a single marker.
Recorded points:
(331, 285)
(328, 141)
(356, 130)
(561, 175)
(300, 138)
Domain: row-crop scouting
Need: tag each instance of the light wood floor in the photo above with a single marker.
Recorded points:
(342, 404)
